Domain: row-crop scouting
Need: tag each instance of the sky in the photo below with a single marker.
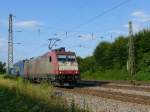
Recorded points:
(80, 24)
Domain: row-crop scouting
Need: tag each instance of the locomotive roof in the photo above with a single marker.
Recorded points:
(62, 51)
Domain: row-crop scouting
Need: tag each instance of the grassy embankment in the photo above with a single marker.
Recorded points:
(18, 96)
(115, 75)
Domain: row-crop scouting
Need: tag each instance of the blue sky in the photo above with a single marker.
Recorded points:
(42, 19)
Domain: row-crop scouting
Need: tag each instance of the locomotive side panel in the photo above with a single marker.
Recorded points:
(54, 63)
(43, 65)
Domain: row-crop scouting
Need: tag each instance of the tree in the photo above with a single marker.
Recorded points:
(120, 52)
(103, 55)
(142, 46)
(144, 63)
(86, 64)
(114, 55)
(2, 67)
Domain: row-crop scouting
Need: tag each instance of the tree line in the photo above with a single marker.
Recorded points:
(114, 55)
(2, 67)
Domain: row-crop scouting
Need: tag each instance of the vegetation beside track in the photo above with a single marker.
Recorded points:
(114, 74)
(109, 59)
(2, 67)
(19, 96)
(105, 75)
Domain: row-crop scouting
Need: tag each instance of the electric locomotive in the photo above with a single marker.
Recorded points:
(57, 66)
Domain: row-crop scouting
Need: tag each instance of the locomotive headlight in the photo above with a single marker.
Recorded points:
(60, 72)
(76, 72)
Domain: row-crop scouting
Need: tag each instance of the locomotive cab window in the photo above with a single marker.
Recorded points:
(71, 58)
(50, 59)
(62, 58)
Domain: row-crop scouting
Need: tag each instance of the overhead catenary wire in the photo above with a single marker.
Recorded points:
(94, 18)
(64, 32)
(67, 32)
(87, 22)
(81, 6)
(101, 14)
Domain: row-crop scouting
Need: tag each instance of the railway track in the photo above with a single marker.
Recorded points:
(145, 87)
(136, 88)
(88, 88)
(108, 96)
(123, 83)
(138, 99)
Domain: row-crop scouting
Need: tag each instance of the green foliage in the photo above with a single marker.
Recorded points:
(2, 67)
(87, 63)
(103, 54)
(119, 52)
(144, 63)
(19, 96)
(111, 55)
(109, 59)
(110, 74)
(142, 76)
(142, 49)
(6, 76)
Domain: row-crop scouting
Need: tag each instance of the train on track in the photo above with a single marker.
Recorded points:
(57, 66)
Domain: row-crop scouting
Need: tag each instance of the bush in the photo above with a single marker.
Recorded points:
(142, 76)
(113, 74)
(20, 96)
(2, 67)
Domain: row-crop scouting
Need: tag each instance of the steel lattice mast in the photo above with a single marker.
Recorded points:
(131, 57)
(10, 44)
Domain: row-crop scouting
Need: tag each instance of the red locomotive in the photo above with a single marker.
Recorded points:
(57, 66)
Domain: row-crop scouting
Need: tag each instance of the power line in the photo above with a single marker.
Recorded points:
(85, 23)
(47, 27)
(76, 12)
(66, 32)
(101, 14)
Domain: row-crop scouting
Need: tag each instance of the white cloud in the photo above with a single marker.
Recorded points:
(28, 24)
(141, 16)
(140, 19)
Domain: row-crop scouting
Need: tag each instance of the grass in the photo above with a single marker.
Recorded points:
(105, 75)
(115, 74)
(142, 76)
(19, 96)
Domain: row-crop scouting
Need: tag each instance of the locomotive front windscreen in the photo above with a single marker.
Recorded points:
(67, 63)
(64, 58)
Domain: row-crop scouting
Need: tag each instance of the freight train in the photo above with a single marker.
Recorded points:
(57, 66)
